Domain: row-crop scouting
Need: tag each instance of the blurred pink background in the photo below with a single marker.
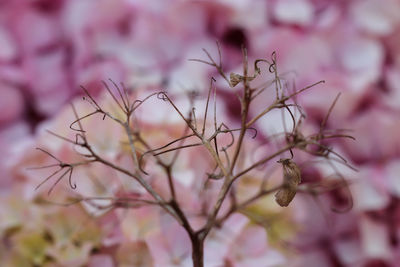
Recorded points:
(48, 48)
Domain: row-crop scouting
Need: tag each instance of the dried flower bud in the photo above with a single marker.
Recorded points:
(235, 79)
(291, 179)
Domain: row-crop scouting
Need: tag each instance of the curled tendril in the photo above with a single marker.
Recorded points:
(255, 132)
(81, 118)
(72, 185)
(272, 66)
(62, 166)
(232, 137)
(137, 103)
(162, 96)
(257, 68)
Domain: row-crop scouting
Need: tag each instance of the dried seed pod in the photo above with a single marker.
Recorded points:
(235, 79)
(291, 179)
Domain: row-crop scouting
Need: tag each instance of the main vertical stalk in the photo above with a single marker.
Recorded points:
(197, 250)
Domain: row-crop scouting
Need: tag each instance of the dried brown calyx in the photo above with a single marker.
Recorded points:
(235, 79)
(291, 180)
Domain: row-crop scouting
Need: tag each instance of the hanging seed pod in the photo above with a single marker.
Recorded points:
(291, 179)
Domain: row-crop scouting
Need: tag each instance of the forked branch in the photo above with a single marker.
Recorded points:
(227, 162)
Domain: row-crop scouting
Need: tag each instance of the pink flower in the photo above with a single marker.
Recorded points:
(11, 104)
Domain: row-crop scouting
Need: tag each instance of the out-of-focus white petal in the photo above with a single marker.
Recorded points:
(294, 11)
(11, 103)
(362, 59)
(101, 260)
(376, 16)
(369, 193)
(8, 48)
(374, 238)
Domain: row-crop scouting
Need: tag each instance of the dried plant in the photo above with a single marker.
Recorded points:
(226, 168)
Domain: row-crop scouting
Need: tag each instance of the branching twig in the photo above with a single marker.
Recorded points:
(228, 170)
